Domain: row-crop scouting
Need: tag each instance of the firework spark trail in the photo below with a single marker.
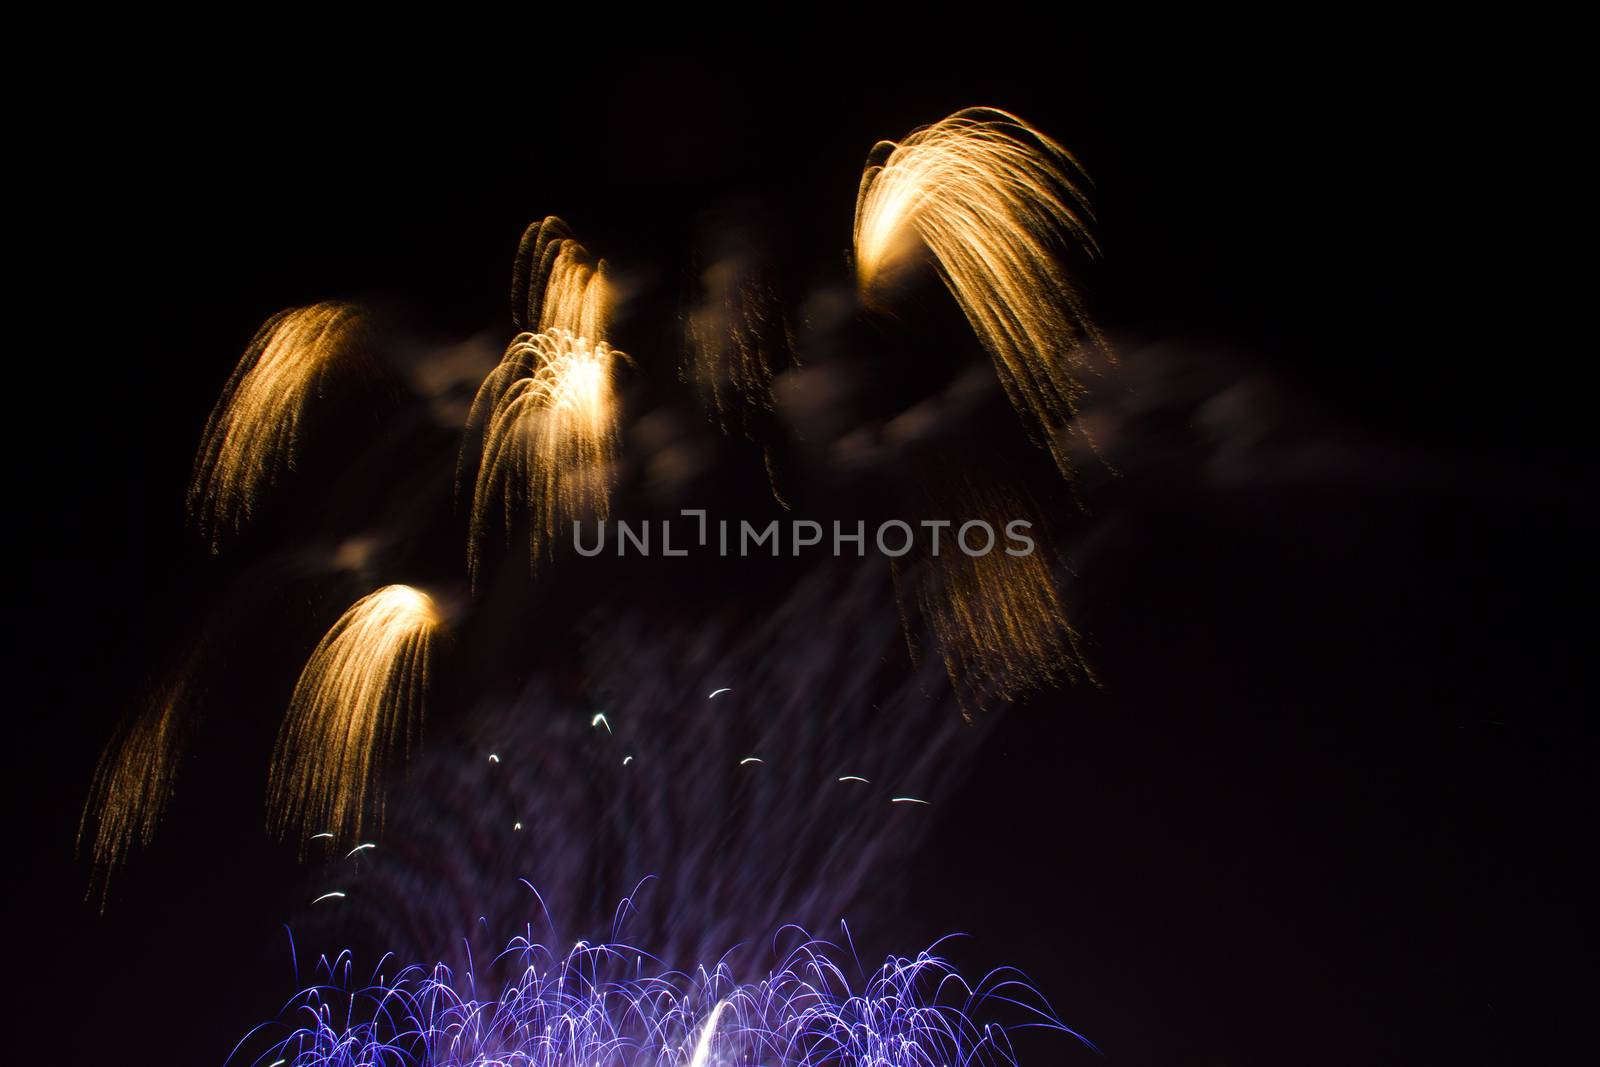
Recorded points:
(737, 339)
(823, 690)
(994, 200)
(132, 786)
(557, 285)
(363, 688)
(597, 1007)
(998, 620)
(546, 422)
(254, 429)
(134, 779)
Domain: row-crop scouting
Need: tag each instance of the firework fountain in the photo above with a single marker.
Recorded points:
(735, 770)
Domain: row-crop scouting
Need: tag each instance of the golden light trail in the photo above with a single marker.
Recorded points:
(131, 787)
(361, 691)
(557, 285)
(547, 419)
(254, 429)
(738, 339)
(998, 620)
(997, 203)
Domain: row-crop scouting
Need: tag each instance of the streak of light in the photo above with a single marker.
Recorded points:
(906, 800)
(716, 692)
(601, 720)
(702, 1048)
(359, 848)
(751, 759)
(335, 895)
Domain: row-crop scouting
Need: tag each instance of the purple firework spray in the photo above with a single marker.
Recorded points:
(613, 1005)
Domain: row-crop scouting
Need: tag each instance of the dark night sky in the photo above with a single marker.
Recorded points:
(1324, 809)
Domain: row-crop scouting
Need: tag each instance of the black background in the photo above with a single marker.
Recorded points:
(1325, 809)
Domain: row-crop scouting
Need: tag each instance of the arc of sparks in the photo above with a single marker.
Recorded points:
(254, 430)
(546, 423)
(996, 202)
(362, 690)
(557, 284)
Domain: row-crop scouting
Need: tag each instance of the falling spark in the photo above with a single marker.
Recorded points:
(493, 758)
(853, 778)
(131, 788)
(995, 201)
(738, 340)
(998, 620)
(358, 848)
(328, 896)
(906, 800)
(715, 692)
(254, 429)
(600, 720)
(516, 826)
(751, 759)
(626, 760)
(557, 285)
(327, 835)
(364, 684)
(546, 418)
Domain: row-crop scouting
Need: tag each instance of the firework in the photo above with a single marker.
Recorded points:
(362, 689)
(556, 284)
(998, 620)
(254, 429)
(597, 1007)
(547, 421)
(738, 339)
(996, 202)
(132, 786)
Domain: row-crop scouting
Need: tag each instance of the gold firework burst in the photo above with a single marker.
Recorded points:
(361, 691)
(132, 787)
(254, 429)
(998, 619)
(997, 203)
(547, 421)
(557, 285)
